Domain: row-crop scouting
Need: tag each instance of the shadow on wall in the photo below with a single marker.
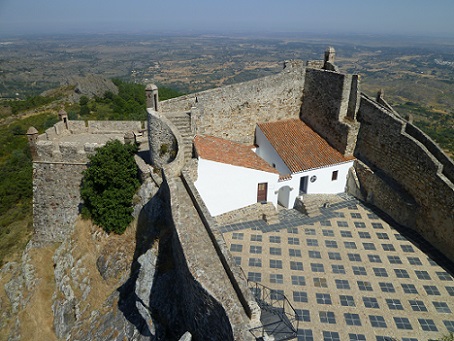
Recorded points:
(162, 289)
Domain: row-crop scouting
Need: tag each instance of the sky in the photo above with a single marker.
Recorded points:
(399, 17)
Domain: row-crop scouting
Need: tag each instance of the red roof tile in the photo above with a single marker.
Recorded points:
(232, 153)
(299, 146)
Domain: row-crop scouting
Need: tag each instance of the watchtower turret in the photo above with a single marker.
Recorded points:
(151, 92)
(32, 137)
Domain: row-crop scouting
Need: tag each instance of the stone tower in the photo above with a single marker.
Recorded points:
(151, 92)
(32, 137)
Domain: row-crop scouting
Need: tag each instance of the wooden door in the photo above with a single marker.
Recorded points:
(262, 190)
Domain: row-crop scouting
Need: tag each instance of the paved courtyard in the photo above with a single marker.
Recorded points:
(349, 274)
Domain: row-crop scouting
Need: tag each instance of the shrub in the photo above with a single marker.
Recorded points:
(108, 186)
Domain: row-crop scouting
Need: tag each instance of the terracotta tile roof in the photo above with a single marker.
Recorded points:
(228, 152)
(299, 146)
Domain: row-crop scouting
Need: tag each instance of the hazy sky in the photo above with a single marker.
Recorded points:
(428, 17)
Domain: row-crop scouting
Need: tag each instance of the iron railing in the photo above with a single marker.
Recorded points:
(279, 319)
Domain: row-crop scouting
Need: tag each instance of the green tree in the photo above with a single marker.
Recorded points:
(108, 186)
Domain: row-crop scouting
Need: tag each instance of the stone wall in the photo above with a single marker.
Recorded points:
(232, 112)
(408, 168)
(191, 291)
(329, 106)
(56, 200)
(162, 140)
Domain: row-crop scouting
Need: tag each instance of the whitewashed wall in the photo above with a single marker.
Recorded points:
(323, 184)
(226, 188)
(267, 152)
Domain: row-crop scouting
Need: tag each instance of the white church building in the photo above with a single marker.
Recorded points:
(288, 160)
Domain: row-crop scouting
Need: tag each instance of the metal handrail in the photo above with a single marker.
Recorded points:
(277, 303)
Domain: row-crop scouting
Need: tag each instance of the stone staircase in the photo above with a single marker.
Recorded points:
(183, 123)
(310, 204)
(306, 206)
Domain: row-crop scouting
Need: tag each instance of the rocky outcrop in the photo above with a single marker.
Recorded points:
(90, 85)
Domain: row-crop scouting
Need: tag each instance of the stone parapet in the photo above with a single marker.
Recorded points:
(232, 111)
(405, 159)
(66, 152)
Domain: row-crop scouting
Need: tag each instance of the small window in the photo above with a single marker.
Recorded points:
(394, 260)
(236, 248)
(254, 276)
(342, 284)
(275, 239)
(338, 269)
(275, 251)
(409, 289)
(300, 296)
(314, 254)
(238, 236)
(347, 301)
(377, 321)
(298, 280)
(296, 265)
(364, 286)
(255, 249)
(402, 323)
(428, 325)
(303, 315)
(327, 317)
(371, 302)
(334, 175)
(386, 287)
(294, 253)
(277, 295)
(256, 238)
(359, 270)
(275, 264)
(323, 298)
(442, 307)
(417, 305)
(352, 319)
(394, 304)
(317, 267)
(320, 282)
(276, 278)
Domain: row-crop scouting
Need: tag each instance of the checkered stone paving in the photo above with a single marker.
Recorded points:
(349, 274)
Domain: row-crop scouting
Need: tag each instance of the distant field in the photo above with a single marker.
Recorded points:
(410, 70)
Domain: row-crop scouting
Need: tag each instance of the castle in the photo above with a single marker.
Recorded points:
(397, 168)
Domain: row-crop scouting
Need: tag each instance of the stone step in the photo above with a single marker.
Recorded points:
(183, 124)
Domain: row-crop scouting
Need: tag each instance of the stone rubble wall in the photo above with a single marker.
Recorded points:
(329, 106)
(410, 168)
(232, 111)
(56, 200)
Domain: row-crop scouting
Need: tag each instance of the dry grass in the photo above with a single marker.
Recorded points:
(88, 249)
